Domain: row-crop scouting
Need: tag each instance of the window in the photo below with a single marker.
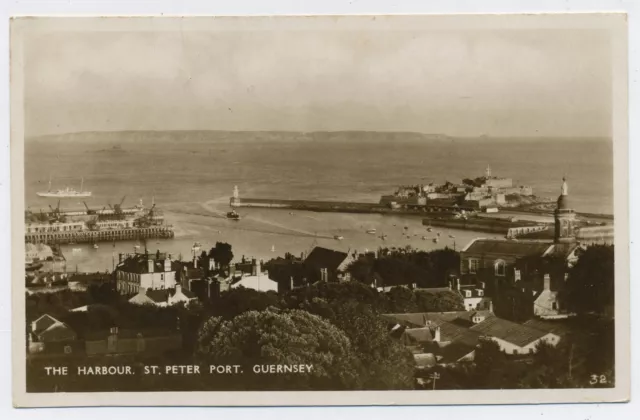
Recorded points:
(473, 265)
(500, 268)
(554, 305)
(467, 293)
(67, 349)
(480, 292)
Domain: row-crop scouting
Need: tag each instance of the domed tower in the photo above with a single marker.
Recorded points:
(565, 216)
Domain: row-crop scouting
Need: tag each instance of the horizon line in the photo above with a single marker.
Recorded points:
(478, 136)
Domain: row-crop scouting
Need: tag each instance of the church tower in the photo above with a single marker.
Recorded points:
(565, 216)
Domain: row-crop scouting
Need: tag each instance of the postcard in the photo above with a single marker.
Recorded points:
(320, 210)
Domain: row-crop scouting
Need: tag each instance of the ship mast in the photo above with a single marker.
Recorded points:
(81, 183)
(49, 183)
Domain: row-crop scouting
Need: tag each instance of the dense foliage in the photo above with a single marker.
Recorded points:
(274, 337)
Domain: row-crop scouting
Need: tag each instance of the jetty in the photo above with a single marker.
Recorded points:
(109, 235)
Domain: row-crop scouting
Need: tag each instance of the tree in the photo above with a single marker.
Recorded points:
(401, 300)
(236, 301)
(221, 254)
(281, 338)
(384, 363)
(590, 286)
(438, 302)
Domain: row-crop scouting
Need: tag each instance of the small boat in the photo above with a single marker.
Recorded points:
(406, 227)
(438, 233)
(429, 229)
(452, 237)
(233, 215)
(383, 237)
(424, 238)
(95, 246)
(76, 250)
(273, 248)
(338, 237)
(371, 231)
(435, 240)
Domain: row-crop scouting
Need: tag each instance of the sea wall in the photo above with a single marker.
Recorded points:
(482, 225)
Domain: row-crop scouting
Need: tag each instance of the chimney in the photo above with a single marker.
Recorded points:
(450, 285)
(291, 283)
(150, 265)
(120, 257)
(212, 265)
(254, 267)
(482, 285)
(178, 288)
(436, 334)
(458, 284)
(167, 263)
(195, 261)
(491, 306)
(547, 282)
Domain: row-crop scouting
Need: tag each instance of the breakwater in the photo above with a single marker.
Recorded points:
(155, 232)
(340, 206)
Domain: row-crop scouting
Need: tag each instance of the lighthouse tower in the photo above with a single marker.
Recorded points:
(235, 200)
(487, 172)
(565, 216)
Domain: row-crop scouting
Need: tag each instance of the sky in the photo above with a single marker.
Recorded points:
(518, 83)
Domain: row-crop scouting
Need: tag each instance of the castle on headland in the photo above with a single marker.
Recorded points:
(479, 193)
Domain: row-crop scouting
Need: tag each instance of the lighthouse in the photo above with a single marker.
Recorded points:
(235, 200)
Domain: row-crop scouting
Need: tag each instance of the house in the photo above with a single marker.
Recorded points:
(452, 337)
(323, 264)
(474, 296)
(257, 280)
(50, 335)
(145, 271)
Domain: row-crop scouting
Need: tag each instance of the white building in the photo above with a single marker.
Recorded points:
(145, 271)
(37, 252)
(258, 280)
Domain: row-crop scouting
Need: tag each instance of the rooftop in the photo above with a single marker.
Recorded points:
(512, 332)
(502, 247)
(139, 263)
(325, 258)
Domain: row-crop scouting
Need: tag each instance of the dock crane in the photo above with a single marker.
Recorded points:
(89, 211)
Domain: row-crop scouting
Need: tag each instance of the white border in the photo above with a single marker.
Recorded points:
(327, 7)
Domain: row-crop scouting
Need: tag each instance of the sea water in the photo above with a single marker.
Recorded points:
(191, 177)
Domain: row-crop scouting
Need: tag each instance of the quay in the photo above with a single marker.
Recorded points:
(505, 227)
(110, 235)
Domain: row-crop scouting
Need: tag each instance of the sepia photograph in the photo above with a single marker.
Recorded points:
(276, 209)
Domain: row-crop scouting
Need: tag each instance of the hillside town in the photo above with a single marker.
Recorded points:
(439, 315)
